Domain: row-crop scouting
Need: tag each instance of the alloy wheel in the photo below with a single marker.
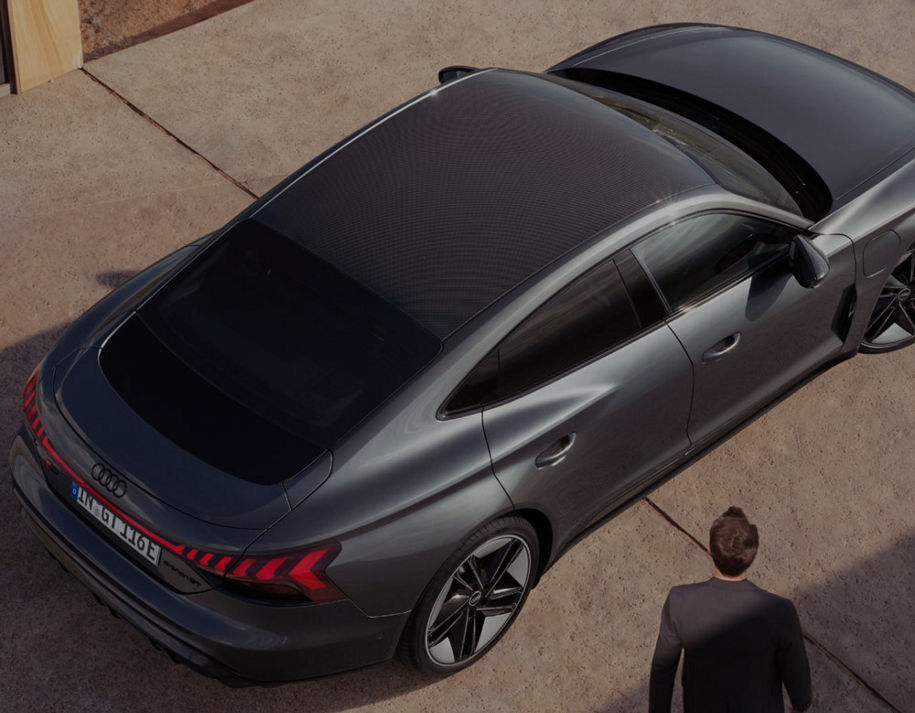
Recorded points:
(892, 323)
(479, 600)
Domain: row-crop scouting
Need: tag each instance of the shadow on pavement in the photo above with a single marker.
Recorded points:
(213, 8)
(114, 278)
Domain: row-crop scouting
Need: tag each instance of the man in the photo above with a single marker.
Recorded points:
(741, 643)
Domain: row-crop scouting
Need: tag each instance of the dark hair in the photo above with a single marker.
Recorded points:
(733, 542)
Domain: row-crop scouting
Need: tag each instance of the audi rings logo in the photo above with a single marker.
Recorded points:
(109, 480)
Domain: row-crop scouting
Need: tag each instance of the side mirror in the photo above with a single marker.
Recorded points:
(446, 74)
(808, 265)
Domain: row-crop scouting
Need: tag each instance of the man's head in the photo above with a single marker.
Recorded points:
(733, 542)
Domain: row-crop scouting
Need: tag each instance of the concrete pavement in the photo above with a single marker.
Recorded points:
(110, 168)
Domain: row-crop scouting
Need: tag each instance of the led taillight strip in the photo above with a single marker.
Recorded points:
(197, 557)
(301, 572)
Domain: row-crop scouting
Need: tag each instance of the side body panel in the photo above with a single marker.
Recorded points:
(782, 332)
(624, 417)
(399, 502)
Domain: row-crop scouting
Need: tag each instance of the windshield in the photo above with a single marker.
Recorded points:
(287, 335)
(727, 164)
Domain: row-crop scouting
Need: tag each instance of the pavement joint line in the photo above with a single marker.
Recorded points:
(133, 107)
(839, 663)
(673, 523)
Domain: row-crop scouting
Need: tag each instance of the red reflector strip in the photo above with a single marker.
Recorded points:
(79, 479)
(269, 569)
(206, 558)
(223, 563)
(243, 566)
(190, 555)
(290, 574)
(302, 571)
(30, 406)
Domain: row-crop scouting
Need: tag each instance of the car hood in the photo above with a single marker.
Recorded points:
(850, 124)
(163, 470)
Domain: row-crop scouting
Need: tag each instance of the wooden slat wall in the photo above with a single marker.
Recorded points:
(45, 38)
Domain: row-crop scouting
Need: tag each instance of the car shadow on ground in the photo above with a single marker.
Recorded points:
(114, 278)
(61, 651)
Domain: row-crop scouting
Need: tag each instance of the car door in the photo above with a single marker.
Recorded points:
(582, 401)
(750, 329)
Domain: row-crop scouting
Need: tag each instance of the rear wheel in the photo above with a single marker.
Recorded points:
(892, 323)
(473, 598)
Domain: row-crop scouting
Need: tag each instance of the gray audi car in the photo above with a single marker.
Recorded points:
(371, 411)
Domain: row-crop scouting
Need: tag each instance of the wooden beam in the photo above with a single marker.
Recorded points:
(45, 40)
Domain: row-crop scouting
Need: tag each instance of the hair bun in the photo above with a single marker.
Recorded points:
(734, 511)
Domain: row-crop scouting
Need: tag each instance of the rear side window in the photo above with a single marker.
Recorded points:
(584, 320)
(696, 256)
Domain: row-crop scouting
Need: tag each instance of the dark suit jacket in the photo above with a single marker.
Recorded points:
(741, 644)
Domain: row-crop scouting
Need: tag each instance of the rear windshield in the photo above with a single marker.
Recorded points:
(287, 335)
(727, 164)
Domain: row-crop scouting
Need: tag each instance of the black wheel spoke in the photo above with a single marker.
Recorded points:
(496, 609)
(904, 318)
(463, 583)
(506, 559)
(474, 566)
(504, 593)
(882, 319)
(469, 639)
(445, 626)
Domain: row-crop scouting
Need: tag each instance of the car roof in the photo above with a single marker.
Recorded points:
(449, 202)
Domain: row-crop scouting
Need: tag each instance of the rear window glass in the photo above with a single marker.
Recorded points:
(287, 335)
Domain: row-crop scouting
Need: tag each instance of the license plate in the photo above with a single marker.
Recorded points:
(123, 530)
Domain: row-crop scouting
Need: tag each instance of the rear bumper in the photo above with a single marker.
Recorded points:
(237, 640)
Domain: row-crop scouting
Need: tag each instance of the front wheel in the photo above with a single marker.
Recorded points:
(473, 598)
(892, 323)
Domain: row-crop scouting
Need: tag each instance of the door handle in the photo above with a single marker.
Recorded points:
(556, 452)
(722, 348)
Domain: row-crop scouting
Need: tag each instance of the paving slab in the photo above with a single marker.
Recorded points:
(263, 88)
(827, 477)
(70, 143)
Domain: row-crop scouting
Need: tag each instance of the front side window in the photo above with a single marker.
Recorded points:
(582, 321)
(695, 257)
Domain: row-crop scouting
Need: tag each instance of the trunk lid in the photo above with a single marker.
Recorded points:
(176, 438)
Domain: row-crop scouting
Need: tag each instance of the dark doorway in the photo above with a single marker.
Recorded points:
(5, 53)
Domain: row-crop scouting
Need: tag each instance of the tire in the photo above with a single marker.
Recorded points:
(473, 598)
(892, 323)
